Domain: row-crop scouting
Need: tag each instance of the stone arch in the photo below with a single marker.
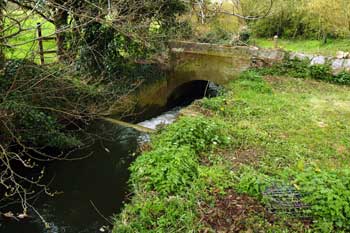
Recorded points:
(186, 92)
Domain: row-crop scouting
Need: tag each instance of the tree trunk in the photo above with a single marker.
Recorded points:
(61, 22)
(2, 42)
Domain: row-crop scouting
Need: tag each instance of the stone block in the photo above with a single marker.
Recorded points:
(301, 56)
(346, 65)
(337, 64)
(272, 55)
(318, 60)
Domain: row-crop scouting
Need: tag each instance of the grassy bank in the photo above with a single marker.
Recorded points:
(307, 46)
(24, 44)
(265, 136)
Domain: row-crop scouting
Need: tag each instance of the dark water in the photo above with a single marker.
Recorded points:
(100, 179)
(96, 185)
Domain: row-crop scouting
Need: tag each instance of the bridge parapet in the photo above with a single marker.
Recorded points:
(267, 56)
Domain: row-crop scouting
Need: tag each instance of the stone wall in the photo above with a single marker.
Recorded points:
(339, 63)
(259, 56)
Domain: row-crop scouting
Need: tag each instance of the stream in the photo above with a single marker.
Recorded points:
(94, 187)
(90, 187)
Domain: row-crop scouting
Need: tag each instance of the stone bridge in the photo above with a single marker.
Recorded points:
(191, 63)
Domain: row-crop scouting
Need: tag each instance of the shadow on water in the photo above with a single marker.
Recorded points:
(101, 178)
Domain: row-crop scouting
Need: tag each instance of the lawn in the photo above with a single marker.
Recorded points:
(307, 46)
(270, 155)
(24, 44)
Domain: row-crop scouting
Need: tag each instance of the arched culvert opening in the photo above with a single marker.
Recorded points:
(188, 92)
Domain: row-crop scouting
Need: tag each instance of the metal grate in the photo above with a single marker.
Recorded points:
(285, 200)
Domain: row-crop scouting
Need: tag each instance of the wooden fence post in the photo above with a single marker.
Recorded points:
(275, 38)
(41, 47)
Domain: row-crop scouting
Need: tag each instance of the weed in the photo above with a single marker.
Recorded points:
(165, 170)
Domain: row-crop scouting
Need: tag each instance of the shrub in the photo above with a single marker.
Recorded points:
(217, 35)
(302, 69)
(328, 194)
(295, 68)
(198, 133)
(342, 78)
(165, 170)
(251, 182)
(320, 72)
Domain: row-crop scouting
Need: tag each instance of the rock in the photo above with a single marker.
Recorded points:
(346, 65)
(272, 55)
(301, 56)
(342, 55)
(318, 60)
(337, 64)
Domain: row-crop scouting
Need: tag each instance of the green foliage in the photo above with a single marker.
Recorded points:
(199, 133)
(342, 78)
(216, 36)
(168, 171)
(252, 182)
(28, 50)
(114, 49)
(309, 46)
(303, 122)
(37, 128)
(328, 194)
(32, 96)
(321, 72)
(157, 214)
(253, 81)
(275, 136)
(316, 19)
(167, 180)
(302, 69)
(294, 68)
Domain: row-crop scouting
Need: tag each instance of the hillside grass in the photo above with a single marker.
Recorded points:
(209, 173)
(24, 44)
(307, 46)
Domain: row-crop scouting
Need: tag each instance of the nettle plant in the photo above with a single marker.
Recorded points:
(199, 133)
(328, 194)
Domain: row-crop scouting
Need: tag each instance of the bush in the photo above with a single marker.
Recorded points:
(165, 170)
(294, 68)
(320, 72)
(252, 182)
(216, 36)
(342, 78)
(328, 194)
(168, 180)
(198, 133)
(303, 69)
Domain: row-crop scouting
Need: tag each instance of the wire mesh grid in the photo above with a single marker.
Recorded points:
(286, 200)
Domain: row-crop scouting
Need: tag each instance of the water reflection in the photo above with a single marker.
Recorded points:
(99, 180)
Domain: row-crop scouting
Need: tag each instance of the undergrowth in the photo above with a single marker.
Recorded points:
(263, 133)
(168, 180)
(303, 69)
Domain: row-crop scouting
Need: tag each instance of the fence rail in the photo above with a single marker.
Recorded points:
(40, 40)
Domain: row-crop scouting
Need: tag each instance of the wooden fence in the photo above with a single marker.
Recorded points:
(41, 39)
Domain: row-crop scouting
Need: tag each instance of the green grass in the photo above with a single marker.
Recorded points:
(28, 46)
(262, 132)
(307, 46)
